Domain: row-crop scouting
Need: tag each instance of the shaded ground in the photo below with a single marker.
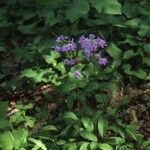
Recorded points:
(136, 111)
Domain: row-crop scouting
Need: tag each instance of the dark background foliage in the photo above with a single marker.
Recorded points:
(28, 29)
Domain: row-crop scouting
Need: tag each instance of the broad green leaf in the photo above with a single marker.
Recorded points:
(146, 145)
(39, 143)
(96, 117)
(148, 77)
(70, 115)
(30, 121)
(127, 9)
(50, 128)
(6, 141)
(144, 30)
(132, 133)
(51, 4)
(61, 68)
(71, 146)
(91, 86)
(20, 138)
(51, 57)
(129, 54)
(2, 48)
(29, 106)
(133, 23)
(114, 51)
(27, 29)
(68, 86)
(116, 140)
(107, 6)
(29, 73)
(79, 9)
(140, 73)
(88, 124)
(29, 14)
(88, 135)
(105, 146)
(3, 108)
(47, 14)
(146, 48)
(102, 126)
(3, 12)
(101, 98)
(146, 60)
(4, 123)
(127, 69)
(93, 145)
(111, 111)
(84, 146)
(17, 118)
(66, 130)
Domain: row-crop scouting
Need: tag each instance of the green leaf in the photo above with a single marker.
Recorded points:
(6, 141)
(146, 48)
(30, 121)
(140, 73)
(47, 14)
(129, 54)
(84, 146)
(93, 145)
(29, 106)
(70, 115)
(4, 123)
(144, 30)
(101, 98)
(133, 23)
(105, 146)
(127, 69)
(61, 68)
(20, 138)
(127, 9)
(29, 73)
(3, 108)
(132, 133)
(88, 124)
(79, 9)
(146, 60)
(114, 51)
(88, 135)
(111, 111)
(28, 14)
(146, 145)
(107, 6)
(50, 128)
(102, 126)
(51, 57)
(91, 86)
(68, 86)
(71, 146)
(116, 140)
(2, 48)
(27, 29)
(38, 143)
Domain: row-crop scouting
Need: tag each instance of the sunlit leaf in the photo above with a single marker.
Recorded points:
(102, 126)
(88, 135)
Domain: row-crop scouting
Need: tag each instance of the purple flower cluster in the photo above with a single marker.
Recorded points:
(90, 44)
(71, 61)
(64, 44)
(101, 60)
(77, 73)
